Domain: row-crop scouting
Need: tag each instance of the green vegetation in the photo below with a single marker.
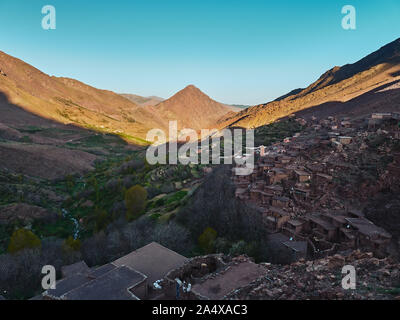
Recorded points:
(71, 244)
(131, 138)
(276, 131)
(101, 220)
(207, 239)
(30, 129)
(26, 139)
(23, 239)
(135, 202)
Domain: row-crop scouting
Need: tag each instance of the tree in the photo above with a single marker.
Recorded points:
(101, 219)
(23, 239)
(72, 244)
(207, 239)
(135, 201)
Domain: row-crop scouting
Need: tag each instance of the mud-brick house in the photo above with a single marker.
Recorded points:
(153, 260)
(275, 218)
(285, 159)
(347, 237)
(301, 192)
(263, 168)
(277, 175)
(382, 115)
(269, 222)
(322, 178)
(238, 180)
(255, 195)
(281, 202)
(333, 136)
(302, 176)
(240, 193)
(254, 174)
(346, 124)
(337, 219)
(266, 197)
(321, 228)
(131, 277)
(345, 140)
(295, 226)
(260, 184)
(315, 167)
(107, 282)
(279, 165)
(297, 249)
(369, 235)
(274, 189)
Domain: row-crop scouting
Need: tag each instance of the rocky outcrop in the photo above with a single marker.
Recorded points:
(23, 212)
(322, 279)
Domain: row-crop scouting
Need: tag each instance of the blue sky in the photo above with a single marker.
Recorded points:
(244, 52)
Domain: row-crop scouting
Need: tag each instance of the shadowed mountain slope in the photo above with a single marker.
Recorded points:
(70, 101)
(338, 85)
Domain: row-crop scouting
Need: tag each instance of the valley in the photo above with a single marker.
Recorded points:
(76, 190)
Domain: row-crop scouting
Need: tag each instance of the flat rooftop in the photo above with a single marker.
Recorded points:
(104, 283)
(153, 260)
(297, 246)
(321, 222)
(114, 285)
(234, 277)
(76, 268)
(367, 228)
(296, 222)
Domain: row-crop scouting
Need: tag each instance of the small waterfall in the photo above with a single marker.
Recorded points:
(67, 215)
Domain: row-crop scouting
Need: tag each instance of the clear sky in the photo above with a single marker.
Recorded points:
(243, 52)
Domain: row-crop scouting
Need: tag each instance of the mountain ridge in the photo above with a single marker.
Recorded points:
(192, 108)
(337, 85)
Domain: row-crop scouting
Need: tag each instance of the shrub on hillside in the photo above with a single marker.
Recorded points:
(135, 202)
(101, 220)
(23, 239)
(207, 239)
(131, 166)
(71, 244)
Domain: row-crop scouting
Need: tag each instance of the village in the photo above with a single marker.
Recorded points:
(304, 187)
(316, 220)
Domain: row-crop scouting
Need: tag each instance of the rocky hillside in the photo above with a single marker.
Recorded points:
(376, 279)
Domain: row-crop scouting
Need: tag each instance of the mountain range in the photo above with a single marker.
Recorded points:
(69, 101)
(352, 89)
(143, 101)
